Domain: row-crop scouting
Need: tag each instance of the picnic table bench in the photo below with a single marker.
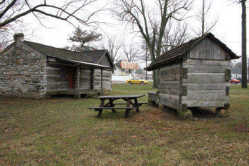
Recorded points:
(131, 102)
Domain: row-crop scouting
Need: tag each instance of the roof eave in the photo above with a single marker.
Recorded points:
(235, 57)
(166, 62)
(98, 66)
(92, 64)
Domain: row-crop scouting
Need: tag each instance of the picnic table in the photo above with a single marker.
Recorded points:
(108, 103)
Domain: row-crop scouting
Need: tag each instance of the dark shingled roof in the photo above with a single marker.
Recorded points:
(85, 56)
(178, 52)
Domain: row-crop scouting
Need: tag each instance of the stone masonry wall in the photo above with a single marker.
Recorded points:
(22, 72)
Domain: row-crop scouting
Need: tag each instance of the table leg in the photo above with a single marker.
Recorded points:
(112, 105)
(136, 105)
(128, 108)
(101, 105)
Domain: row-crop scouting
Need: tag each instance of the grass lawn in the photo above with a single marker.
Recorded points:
(62, 131)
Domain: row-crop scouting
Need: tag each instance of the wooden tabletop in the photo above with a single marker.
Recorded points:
(121, 97)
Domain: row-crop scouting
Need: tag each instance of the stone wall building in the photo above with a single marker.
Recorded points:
(29, 69)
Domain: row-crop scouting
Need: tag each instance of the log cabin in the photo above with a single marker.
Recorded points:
(194, 74)
(34, 70)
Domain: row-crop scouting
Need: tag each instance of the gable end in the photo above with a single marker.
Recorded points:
(106, 60)
(207, 49)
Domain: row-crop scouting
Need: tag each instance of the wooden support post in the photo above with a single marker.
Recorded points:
(101, 79)
(77, 83)
(92, 79)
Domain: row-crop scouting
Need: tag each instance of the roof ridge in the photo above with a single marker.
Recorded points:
(52, 46)
(90, 56)
(69, 51)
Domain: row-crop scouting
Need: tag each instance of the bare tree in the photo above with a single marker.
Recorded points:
(145, 58)
(138, 14)
(114, 48)
(203, 18)
(174, 36)
(12, 10)
(6, 33)
(236, 68)
(131, 54)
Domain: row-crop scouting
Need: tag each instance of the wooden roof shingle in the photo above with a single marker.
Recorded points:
(91, 57)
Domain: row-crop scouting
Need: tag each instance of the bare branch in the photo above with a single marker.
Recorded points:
(1, 2)
(205, 24)
(62, 13)
(7, 8)
(138, 14)
(114, 49)
(131, 53)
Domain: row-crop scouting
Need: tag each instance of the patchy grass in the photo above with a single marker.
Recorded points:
(62, 131)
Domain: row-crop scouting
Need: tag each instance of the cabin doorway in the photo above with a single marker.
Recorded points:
(71, 73)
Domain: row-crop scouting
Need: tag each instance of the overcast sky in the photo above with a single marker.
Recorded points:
(228, 28)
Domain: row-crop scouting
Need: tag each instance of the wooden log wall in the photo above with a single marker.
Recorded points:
(57, 78)
(85, 79)
(206, 81)
(169, 85)
(107, 79)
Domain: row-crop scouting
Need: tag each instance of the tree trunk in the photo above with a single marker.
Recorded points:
(244, 38)
(146, 61)
(203, 18)
(155, 78)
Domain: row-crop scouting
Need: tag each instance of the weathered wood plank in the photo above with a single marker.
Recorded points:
(104, 72)
(54, 87)
(87, 71)
(170, 73)
(169, 100)
(104, 75)
(92, 79)
(205, 78)
(85, 78)
(206, 86)
(169, 84)
(54, 79)
(206, 68)
(205, 103)
(210, 95)
(52, 68)
(107, 75)
(172, 91)
(58, 83)
(105, 61)
(208, 50)
(104, 80)
(206, 62)
(85, 87)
